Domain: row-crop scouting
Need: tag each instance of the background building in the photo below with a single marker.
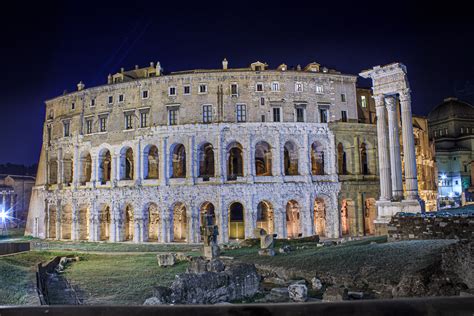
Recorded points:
(15, 193)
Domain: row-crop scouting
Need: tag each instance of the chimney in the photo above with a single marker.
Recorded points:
(152, 65)
(80, 86)
(109, 79)
(225, 64)
(136, 67)
(122, 70)
(158, 69)
(298, 67)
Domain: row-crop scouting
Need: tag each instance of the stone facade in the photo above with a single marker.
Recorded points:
(15, 194)
(147, 155)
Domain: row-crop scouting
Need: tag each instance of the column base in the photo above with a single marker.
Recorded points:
(386, 209)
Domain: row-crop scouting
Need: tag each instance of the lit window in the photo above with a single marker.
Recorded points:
(103, 123)
(173, 116)
(241, 113)
(111, 99)
(363, 101)
(187, 90)
(145, 94)
(298, 87)
(234, 89)
(66, 125)
(143, 119)
(207, 113)
(121, 98)
(128, 120)
(202, 88)
(344, 116)
(259, 87)
(92, 102)
(319, 89)
(172, 91)
(343, 97)
(275, 86)
(276, 115)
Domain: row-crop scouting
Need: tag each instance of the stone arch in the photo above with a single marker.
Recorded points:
(85, 167)
(290, 154)
(265, 216)
(66, 222)
(370, 214)
(263, 159)
(52, 221)
(83, 222)
(293, 220)
(126, 163)
(128, 222)
(151, 162)
(53, 171)
(317, 159)
(179, 222)
(235, 161)
(364, 159)
(236, 221)
(105, 166)
(206, 160)
(341, 159)
(153, 221)
(105, 218)
(347, 216)
(178, 161)
(68, 168)
(319, 218)
(207, 213)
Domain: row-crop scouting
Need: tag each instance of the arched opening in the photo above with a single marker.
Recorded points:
(105, 166)
(53, 171)
(68, 171)
(151, 161)
(126, 164)
(105, 219)
(290, 159)
(66, 222)
(235, 161)
(154, 222)
(85, 168)
(345, 209)
(293, 225)
(265, 216)
(179, 222)
(206, 161)
(320, 217)
(52, 221)
(128, 223)
(83, 222)
(370, 214)
(236, 221)
(341, 159)
(364, 163)
(317, 159)
(178, 161)
(208, 215)
(263, 159)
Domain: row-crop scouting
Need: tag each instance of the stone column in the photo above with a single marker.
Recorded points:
(59, 211)
(4, 194)
(409, 156)
(357, 165)
(163, 172)
(75, 222)
(94, 169)
(137, 166)
(60, 179)
(395, 157)
(48, 221)
(249, 166)
(384, 158)
(190, 158)
(219, 160)
(275, 150)
(75, 167)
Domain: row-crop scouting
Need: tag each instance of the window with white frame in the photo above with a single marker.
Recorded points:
(173, 116)
(276, 114)
(187, 90)
(298, 87)
(363, 101)
(89, 126)
(145, 94)
(259, 87)
(103, 123)
(128, 120)
(234, 91)
(275, 86)
(171, 91)
(144, 118)
(66, 128)
(207, 113)
(319, 89)
(202, 88)
(241, 112)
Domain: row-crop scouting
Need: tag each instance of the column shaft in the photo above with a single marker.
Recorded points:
(395, 156)
(384, 158)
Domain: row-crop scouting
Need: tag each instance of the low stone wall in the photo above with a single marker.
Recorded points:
(13, 247)
(418, 227)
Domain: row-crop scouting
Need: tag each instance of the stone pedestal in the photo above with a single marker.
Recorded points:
(386, 209)
(212, 251)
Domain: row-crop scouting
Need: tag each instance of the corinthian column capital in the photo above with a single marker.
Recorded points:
(379, 100)
(390, 103)
(405, 95)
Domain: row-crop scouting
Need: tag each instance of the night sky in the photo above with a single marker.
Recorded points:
(47, 48)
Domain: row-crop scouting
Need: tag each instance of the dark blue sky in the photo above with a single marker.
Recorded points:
(48, 48)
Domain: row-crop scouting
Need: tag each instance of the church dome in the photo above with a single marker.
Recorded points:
(451, 107)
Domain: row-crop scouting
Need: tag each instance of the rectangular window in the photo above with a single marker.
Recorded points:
(128, 120)
(173, 116)
(186, 90)
(323, 115)
(319, 89)
(172, 91)
(262, 101)
(259, 87)
(92, 103)
(103, 124)
(89, 126)
(145, 94)
(234, 89)
(263, 118)
(343, 97)
(111, 99)
(276, 115)
(144, 119)
(241, 113)
(66, 128)
(202, 88)
(344, 116)
(73, 106)
(121, 98)
(299, 114)
(275, 86)
(462, 130)
(298, 87)
(207, 113)
(363, 101)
